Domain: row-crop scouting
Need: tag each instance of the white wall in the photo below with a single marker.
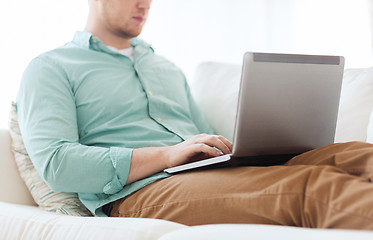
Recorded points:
(336, 27)
(29, 28)
(191, 31)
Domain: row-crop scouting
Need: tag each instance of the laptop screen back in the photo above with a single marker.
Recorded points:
(287, 103)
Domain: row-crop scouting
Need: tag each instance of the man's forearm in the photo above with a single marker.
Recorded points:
(145, 162)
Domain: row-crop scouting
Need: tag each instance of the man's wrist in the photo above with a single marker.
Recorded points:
(164, 156)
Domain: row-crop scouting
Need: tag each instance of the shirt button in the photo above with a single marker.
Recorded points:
(94, 41)
(159, 119)
(150, 93)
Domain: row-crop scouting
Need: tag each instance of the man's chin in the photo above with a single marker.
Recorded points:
(130, 34)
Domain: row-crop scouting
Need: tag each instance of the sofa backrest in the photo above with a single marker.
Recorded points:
(215, 88)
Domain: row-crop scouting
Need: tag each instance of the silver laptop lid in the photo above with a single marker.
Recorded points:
(287, 103)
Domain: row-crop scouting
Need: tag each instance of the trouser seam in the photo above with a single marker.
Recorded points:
(191, 200)
(262, 195)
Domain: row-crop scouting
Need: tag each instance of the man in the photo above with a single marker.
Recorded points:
(103, 116)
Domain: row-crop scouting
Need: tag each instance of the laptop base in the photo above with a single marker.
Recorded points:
(253, 161)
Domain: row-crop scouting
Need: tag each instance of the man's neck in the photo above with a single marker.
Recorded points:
(109, 39)
(119, 43)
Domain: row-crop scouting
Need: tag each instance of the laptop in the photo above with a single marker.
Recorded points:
(287, 105)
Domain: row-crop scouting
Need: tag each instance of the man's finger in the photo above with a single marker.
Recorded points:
(203, 148)
(215, 141)
(226, 142)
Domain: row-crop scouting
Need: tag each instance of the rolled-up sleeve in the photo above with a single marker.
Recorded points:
(118, 180)
(48, 122)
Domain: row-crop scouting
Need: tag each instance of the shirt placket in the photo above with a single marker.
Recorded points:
(152, 105)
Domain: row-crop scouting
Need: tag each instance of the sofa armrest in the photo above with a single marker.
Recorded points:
(12, 187)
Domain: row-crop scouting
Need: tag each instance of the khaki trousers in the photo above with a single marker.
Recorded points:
(330, 187)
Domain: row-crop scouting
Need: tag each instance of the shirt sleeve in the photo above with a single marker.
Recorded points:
(48, 122)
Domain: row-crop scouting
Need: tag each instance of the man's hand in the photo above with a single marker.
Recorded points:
(150, 160)
(197, 148)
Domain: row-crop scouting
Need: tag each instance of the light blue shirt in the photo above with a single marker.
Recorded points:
(83, 108)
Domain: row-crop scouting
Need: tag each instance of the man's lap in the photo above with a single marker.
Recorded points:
(285, 195)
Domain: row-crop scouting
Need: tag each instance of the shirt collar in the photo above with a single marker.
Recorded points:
(87, 40)
(82, 39)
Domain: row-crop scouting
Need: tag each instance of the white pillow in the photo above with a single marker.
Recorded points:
(45, 198)
(355, 105)
(370, 129)
(215, 89)
(216, 85)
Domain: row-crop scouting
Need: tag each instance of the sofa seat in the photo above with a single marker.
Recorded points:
(263, 232)
(30, 222)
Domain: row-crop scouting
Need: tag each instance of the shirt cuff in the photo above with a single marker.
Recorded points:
(121, 160)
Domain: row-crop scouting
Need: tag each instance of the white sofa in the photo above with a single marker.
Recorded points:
(215, 84)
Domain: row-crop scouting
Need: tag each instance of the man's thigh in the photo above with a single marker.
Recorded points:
(356, 158)
(284, 195)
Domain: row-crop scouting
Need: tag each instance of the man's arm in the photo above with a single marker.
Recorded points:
(48, 121)
(147, 161)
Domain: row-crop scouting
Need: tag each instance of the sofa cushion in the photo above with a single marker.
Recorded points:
(255, 231)
(355, 106)
(370, 129)
(65, 203)
(215, 88)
